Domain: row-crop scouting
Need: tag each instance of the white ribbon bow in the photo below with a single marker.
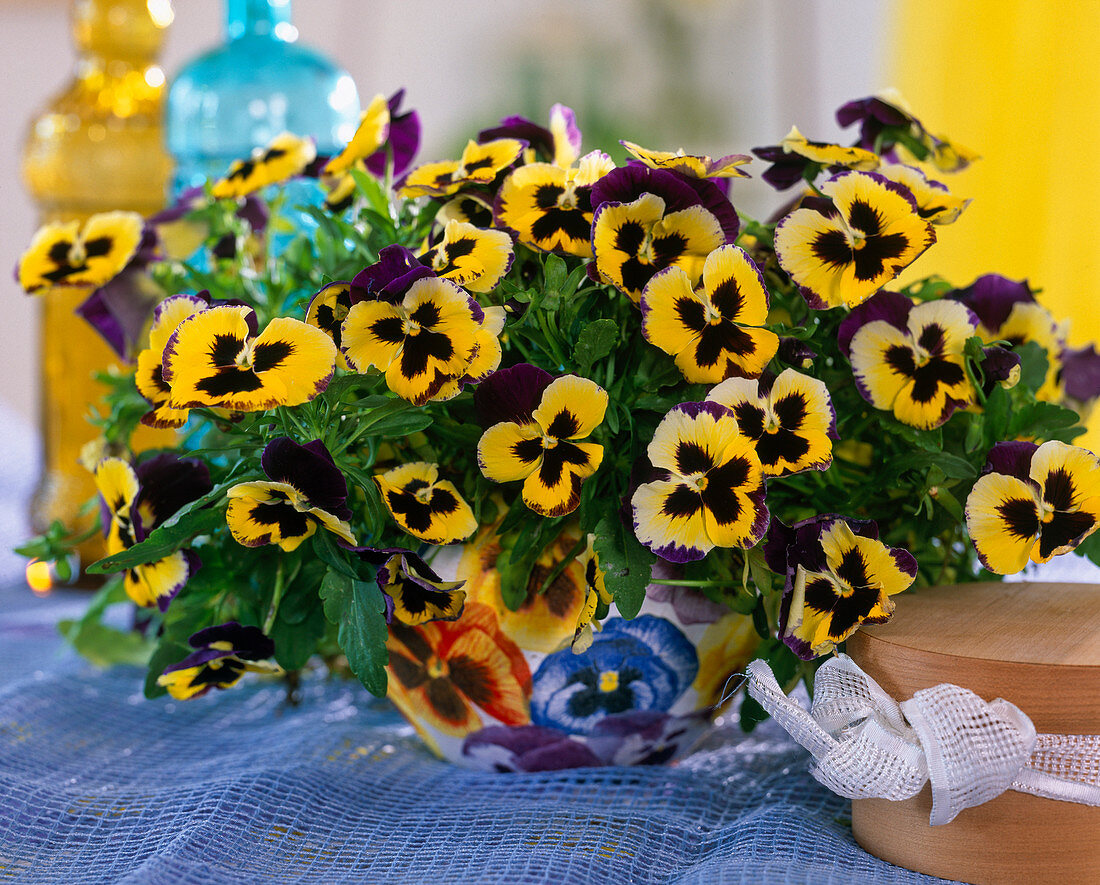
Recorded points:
(866, 745)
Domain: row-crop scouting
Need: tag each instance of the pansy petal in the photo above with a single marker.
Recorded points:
(669, 519)
(374, 127)
(474, 258)
(372, 334)
(547, 209)
(1003, 519)
(424, 506)
(284, 157)
(508, 451)
(327, 311)
(157, 583)
(554, 488)
(571, 407)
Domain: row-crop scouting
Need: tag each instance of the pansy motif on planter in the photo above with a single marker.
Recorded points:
(550, 207)
(441, 671)
(790, 418)
(421, 342)
(425, 506)
(134, 502)
(844, 254)
(305, 491)
(909, 359)
(417, 593)
(643, 664)
(223, 654)
(473, 258)
(71, 254)
(545, 619)
(215, 358)
(1033, 503)
(839, 575)
(649, 219)
(646, 737)
(286, 156)
(712, 493)
(542, 447)
(526, 748)
(479, 164)
(714, 331)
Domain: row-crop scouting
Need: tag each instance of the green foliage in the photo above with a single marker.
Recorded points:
(359, 612)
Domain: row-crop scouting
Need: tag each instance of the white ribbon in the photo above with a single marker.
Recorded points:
(867, 745)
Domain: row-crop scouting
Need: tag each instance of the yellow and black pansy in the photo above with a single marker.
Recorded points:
(550, 207)
(544, 448)
(134, 502)
(844, 252)
(909, 359)
(422, 342)
(327, 311)
(487, 353)
(714, 331)
(597, 598)
(415, 592)
(223, 654)
(305, 491)
(149, 376)
(286, 156)
(693, 165)
(796, 158)
(711, 490)
(649, 219)
(560, 144)
(1033, 503)
(216, 359)
(935, 202)
(790, 418)
(74, 254)
(474, 258)
(839, 576)
(479, 164)
(374, 128)
(425, 506)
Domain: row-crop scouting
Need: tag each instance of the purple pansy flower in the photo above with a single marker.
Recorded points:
(222, 655)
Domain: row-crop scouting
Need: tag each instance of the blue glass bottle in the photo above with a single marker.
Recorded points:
(260, 83)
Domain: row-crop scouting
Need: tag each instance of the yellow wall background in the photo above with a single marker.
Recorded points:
(1018, 81)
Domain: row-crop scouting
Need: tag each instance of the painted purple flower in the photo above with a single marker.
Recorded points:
(838, 576)
(526, 748)
(223, 654)
(646, 737)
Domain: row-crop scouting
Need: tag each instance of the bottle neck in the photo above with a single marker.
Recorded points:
(129, 31)
(259, 18)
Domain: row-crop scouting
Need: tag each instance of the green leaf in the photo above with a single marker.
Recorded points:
(105, 646)
(626, 564)
(554, 273)
(161, 542)
(950, 503)
(1033, 364)
(1040, 418)
(359, 613)
(596, 341)
(997, 412)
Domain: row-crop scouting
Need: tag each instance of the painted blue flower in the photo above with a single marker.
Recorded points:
(643, 664)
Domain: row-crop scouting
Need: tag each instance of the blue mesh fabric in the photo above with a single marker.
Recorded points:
(99, 785)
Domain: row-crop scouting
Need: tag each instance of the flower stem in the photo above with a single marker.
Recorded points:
(276, 597)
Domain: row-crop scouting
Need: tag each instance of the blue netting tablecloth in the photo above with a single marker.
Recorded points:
(99, 785)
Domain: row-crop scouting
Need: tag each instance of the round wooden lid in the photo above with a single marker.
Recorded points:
(1034, 644)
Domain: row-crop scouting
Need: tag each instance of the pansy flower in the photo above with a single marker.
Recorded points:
(550, 207)
(542, 446)
(644, 664)
(713, 332)
(789, 417)
(425, 506)
(479, 164)
(692, 165)
(711, 493)
(473, 258)
(468, 208)
(422, 342)
(935, 202)
(560, 144)
(370, 135)
(445, 672)
(416, 593)
(390, 277)
(649, 219)
(844, 254)
(327, 311)
(909, 359)
(487, 353)
(839, 576)
(284, 157)
(223, 654)
(596, 597)
(1080, 376)
(149, 376)
(215, 358)
(796, 158)
(501, 748)
(305, 490)
(73, 254)
(1007, 311)
(1033, 503)
(134, 502)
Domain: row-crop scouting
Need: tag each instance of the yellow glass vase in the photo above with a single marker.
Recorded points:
(97, 146)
